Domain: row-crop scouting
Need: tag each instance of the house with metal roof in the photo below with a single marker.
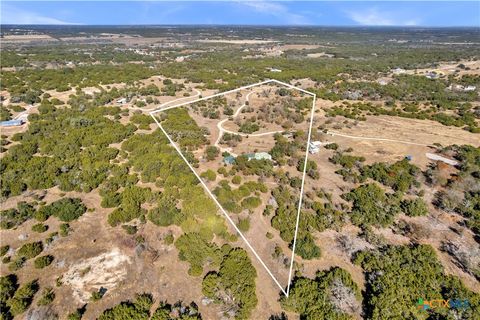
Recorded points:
(229, 159)
(12, 123)
(263, 156)
(259, 156)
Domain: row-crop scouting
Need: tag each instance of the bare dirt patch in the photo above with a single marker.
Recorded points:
(103, 271)
(25, 38)
(239, 41)
(401, 129)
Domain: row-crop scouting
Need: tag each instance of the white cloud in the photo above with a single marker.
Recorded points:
(277, 10)
(13, 15)
(375, 17)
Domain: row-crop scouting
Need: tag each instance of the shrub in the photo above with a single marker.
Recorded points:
(306, 247)
(412, 272)
(212, 152)
(137, 309)
(236, 280)
(43, 261)
(142, 120)
(222, 171)
(39, 227)
(331, 295)
(311, 168)
(8, 286)
(249, 127)
(48, 295)
(77, 315)
(51, 237)
(331, 146)
(4, 249)
(14, 217)
(96, 295)
(30, 250)
(197, 251)
(251, 203)
(195, 270)
(129, 229)
(244, 224)
(209, 175)
(414, 208)
(169, 239)
(236, 180)
(68, 209)
(372, 206)
(64, 229)
(17, 264)
(166, 213)
(22, 298)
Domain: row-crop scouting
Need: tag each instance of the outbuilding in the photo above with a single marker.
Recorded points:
(122, 101)
(259, 156)
(229, 160)
(12, 123)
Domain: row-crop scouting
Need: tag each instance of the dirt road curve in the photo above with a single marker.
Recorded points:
(221, 129)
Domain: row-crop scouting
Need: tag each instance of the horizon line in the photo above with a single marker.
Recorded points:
(241, 25)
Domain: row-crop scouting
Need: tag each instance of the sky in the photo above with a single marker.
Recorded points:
(260, 12)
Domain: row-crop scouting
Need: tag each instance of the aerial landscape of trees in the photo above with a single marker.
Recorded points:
(410, 273)
(84, 160)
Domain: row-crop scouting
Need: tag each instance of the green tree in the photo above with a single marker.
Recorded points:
(212, 152)
(47, 297)
(197, 251)
(331, 295)
(209, 175)
(30, 250)
(127, 310)
(234, 284)
(414, 208)
(43, 261)
(8, 286)
(39, 227)
(409, 273)
(372, 206)
(306, 247)
(22, 298)
(244, 224)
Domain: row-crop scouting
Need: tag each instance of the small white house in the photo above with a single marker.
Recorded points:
(259, 156)
(314, 147)
(456, 87)
(469, 88)
(432, 75)
(274, 70)
(122, 101)
(12, 123)
(263, 156)
(398, 71)
(382, 82)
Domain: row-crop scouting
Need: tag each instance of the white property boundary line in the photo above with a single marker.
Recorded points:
(152, 114)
